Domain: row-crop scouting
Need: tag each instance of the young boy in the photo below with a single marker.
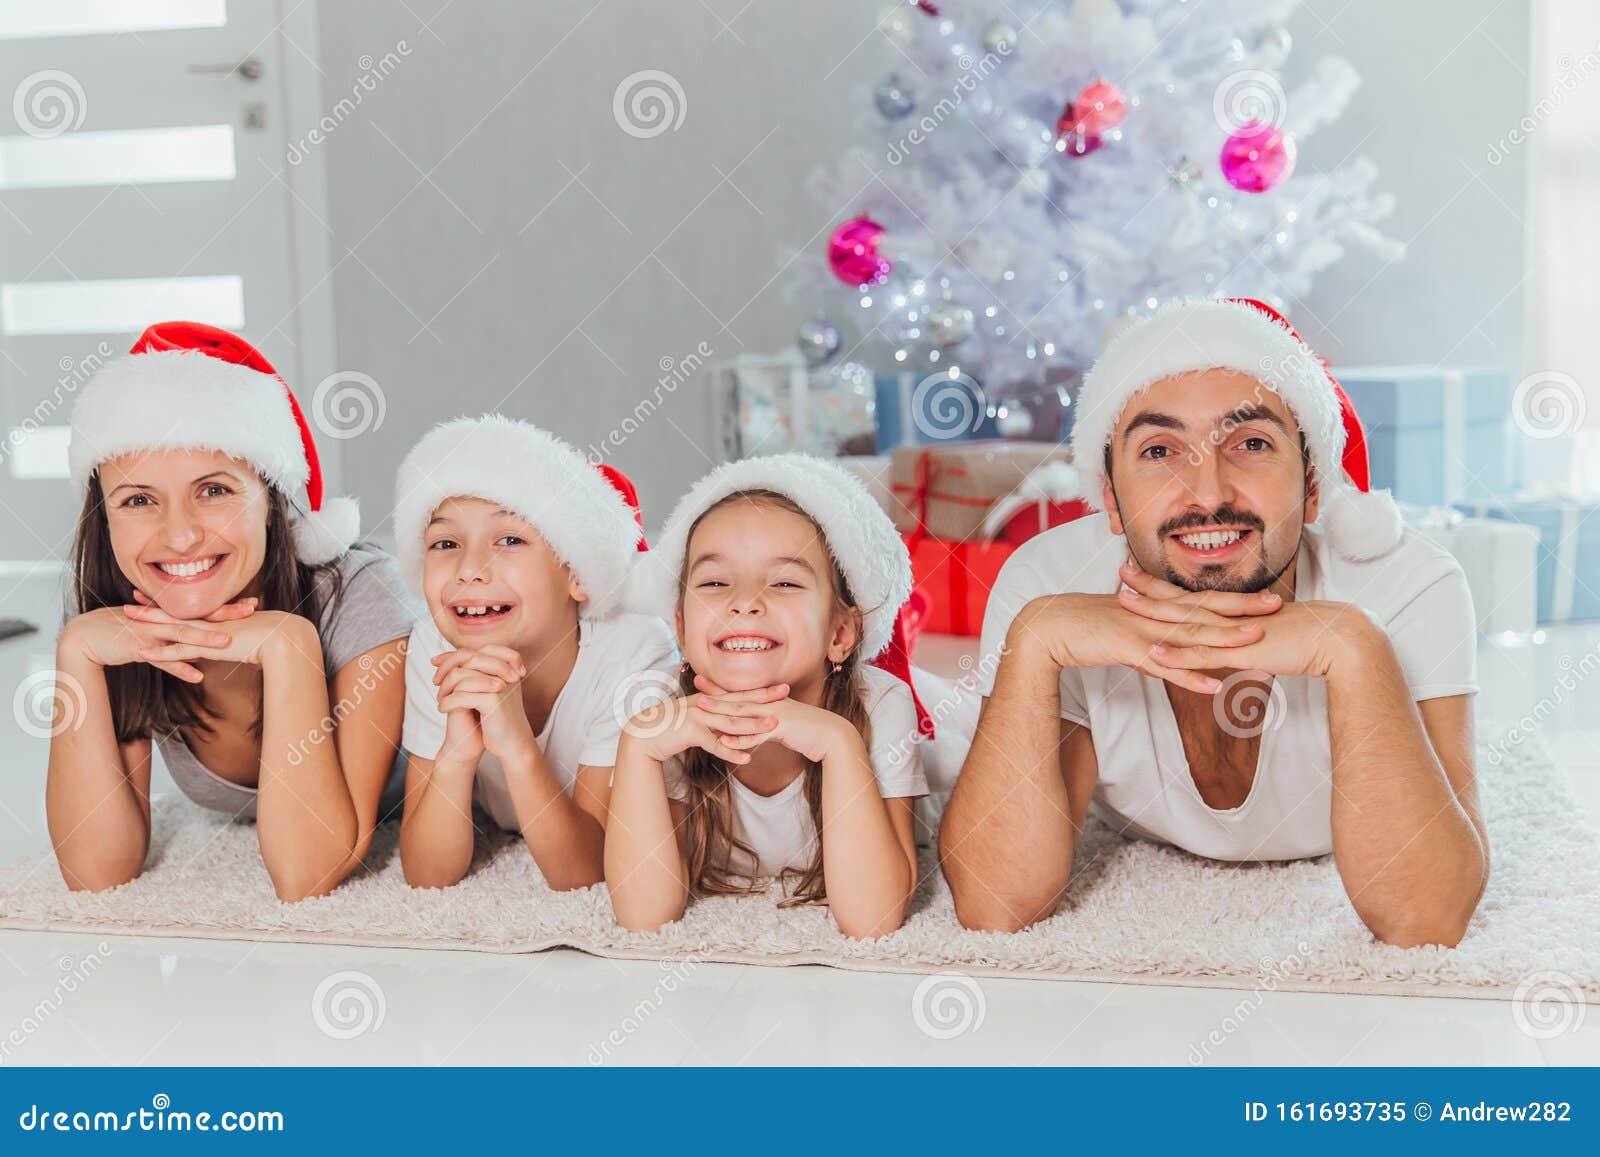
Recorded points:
(519, 681)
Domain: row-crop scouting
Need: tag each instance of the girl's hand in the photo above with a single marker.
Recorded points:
(241, 638)
(813, 732)
(117, 636)
(670, 728)
(487, 682)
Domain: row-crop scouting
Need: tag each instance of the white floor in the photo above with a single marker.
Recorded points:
(87, 1000)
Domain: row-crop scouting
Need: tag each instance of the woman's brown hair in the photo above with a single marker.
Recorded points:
(146, 701)
(711, 842)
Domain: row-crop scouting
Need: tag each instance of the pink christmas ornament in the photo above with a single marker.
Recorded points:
(1100, 107)
(1257, 157)
(853, 253)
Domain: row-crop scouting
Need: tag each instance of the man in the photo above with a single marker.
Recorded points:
(1211, 670)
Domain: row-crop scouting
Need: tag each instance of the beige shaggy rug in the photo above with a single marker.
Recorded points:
(1135, 912)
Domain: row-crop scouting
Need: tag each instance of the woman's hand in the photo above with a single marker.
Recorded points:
(238, 638)
(747, 719)
(676, 725)
(487, 683)
(117, 636)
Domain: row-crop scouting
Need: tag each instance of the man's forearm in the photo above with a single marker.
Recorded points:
(1007, 838)
(1412, 861)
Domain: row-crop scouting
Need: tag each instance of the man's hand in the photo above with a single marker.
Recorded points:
(1298, 638)
(1077, 630)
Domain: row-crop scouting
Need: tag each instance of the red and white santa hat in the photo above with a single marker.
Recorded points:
(1253, 338)
(588, 513)
(859, 535)
(189, 386)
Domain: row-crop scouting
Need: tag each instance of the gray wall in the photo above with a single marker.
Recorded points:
(550, 262)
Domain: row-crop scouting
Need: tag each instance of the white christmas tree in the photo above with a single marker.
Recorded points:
(1047, 167)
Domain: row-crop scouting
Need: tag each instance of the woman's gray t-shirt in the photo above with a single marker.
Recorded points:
(373, 608)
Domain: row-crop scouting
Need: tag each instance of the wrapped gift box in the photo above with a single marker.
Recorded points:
(946, 410)
(947, 491)
(769, 404)
(1499, 558)
(1569, 550)
(956, 577)
(1437, 436)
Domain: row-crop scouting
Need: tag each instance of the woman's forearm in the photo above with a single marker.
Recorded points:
(99, 822)
(869, 878)
(565, 841)
(644, 867)
(436, 832)
(305, 818)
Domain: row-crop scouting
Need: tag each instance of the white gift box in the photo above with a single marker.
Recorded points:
(1501, 561)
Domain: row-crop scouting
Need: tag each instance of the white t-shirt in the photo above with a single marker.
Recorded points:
(586, 721)
(779, 827)
(1416, 592)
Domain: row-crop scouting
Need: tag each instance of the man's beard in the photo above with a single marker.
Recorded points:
(1220, 577)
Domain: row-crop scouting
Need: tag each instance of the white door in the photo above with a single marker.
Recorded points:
(143, 177)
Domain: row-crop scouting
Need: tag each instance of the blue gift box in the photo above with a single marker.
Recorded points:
(924, 409)
(1438, 435)
(1569, 551)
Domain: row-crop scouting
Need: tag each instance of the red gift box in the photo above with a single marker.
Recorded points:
(957, 575)
(957, 578)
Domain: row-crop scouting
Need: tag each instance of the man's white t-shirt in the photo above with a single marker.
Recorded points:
(586, 721)
(779, 827)
(1417, 593)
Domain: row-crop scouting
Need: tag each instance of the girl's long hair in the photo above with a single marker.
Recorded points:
(712, 844)
(146, 701)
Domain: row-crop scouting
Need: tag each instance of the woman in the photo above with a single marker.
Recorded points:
(221, 612)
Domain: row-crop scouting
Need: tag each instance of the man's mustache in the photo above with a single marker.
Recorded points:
(1222, 516)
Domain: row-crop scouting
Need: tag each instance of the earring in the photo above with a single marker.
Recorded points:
(837, 667)
(683, 667)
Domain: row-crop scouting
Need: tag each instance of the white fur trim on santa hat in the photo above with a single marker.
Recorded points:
(324, 535)
(1361, 524)
(537, 476)
(186, 400)
(1213, 333)
(860, 536)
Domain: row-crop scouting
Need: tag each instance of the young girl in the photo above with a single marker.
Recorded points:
(517, 681)
(786, 755)
(220, 611)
